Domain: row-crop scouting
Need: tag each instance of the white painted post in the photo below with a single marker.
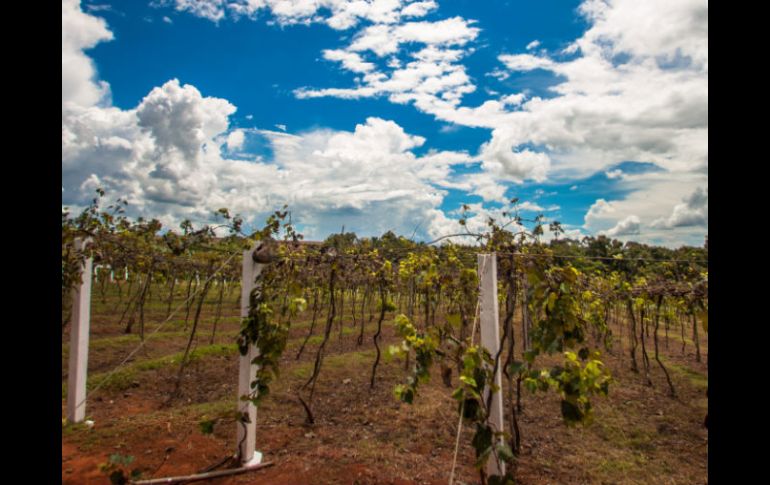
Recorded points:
(490, 339)
(80, 323)
(247, 370)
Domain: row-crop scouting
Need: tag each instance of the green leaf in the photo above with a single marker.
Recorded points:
(504, 452)
(453, 319)
(469, 381)
(570, 412)
(515, 367)
(482, 439)
(207, 426)
(530, 355)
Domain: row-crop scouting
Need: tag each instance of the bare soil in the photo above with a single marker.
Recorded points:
(366, 436)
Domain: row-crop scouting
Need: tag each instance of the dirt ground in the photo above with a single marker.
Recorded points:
(365, 436)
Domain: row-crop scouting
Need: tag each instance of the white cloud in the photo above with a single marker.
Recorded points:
(630, 90)
(693, 212)
(627, 227)
(418, 9)
(499, 74)
(501, 159)
(614, 174)
(235, 139)
(208, 9)
(337, 14)
(599, 210)
(179, 118)
(350, 60)
(532, 45)
(165, 156)
(81, 31)
(525, 62)
(655, 196)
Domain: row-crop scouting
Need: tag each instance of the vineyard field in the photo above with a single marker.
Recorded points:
(361, 436)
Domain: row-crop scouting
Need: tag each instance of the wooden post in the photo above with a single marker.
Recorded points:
(489, 320)
(247, 370)
(78, 365)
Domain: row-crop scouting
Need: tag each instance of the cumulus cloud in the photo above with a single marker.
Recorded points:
(180, 119)
(167, 162)
(678, 214)
(337, 14)
(501, 159)
(624, 90)
(525, 62)
(693, 212)
(598, 210)
(167, 157)
(235, 139)
(628, 226)
(81, 31)
(350, 60)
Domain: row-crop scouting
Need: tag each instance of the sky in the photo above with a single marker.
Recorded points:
(377, 115)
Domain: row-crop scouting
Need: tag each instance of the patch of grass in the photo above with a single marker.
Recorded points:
(697, 379)
(124, 378)
(214, 350)
(614, 466)
(617, 428)
(340, 361)
(317, 339)
(641, 440)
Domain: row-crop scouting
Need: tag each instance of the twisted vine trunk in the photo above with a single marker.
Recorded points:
(342, 312)
(645, 357)
(376, 337)
(218, 313)
(681, 326)
(120, 294)
(310, 419)
(510, 308)
(695, 338)
(131, 299)
(657, 358)
(170, 300)
(143, 298)
(312, 324)
(360, 340)
(188, 301)
(190, 340)
(102, 290)
(634, 341)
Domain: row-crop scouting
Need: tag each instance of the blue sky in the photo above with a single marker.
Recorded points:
(389, 114)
